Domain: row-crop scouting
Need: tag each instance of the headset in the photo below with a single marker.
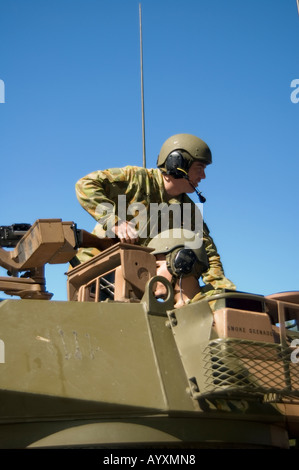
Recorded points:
(177, 166)
(182, 262)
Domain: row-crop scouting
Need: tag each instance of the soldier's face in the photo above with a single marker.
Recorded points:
(177, 186)
(196, 173)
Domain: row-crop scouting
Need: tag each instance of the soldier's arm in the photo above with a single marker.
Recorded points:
(98, 192)
(215, 274)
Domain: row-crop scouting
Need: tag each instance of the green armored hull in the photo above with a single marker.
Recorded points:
(132, 371)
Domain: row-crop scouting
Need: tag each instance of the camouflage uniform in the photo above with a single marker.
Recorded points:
(144, 186)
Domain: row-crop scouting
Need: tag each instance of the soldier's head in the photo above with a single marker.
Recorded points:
(184, 157)
(181, 259)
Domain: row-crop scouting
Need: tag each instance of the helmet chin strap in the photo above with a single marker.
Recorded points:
(201, 198)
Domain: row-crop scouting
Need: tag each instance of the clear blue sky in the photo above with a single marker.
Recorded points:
(220, 70)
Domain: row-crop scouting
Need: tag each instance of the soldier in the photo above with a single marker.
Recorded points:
(181, 258)
(115, 196)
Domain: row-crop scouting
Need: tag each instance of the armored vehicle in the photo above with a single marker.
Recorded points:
(115, 367)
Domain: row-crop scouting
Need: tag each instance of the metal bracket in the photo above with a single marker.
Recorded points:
(158, 306)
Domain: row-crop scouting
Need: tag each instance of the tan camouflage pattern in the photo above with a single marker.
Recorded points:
(140, 185)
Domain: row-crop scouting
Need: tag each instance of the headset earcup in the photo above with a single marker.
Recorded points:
(181, 261)
(175, 163)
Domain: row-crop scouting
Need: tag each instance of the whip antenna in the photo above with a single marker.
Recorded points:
(142, 92)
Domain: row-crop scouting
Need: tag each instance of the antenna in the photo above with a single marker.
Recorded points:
(298, 5)
(142, 92)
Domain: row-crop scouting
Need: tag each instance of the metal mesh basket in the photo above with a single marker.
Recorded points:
(233, 367)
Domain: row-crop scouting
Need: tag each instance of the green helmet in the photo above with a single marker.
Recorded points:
(184, 252)
(193, 149)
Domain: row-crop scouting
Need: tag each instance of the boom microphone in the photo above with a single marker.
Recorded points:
(201, 198)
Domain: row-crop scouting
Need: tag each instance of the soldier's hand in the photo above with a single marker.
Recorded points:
(126, 232)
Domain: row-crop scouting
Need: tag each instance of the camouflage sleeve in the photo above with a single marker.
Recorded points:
(215, 274)
(98, 191)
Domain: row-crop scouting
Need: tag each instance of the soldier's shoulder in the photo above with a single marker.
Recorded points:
(122, 172)
(139, 170)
